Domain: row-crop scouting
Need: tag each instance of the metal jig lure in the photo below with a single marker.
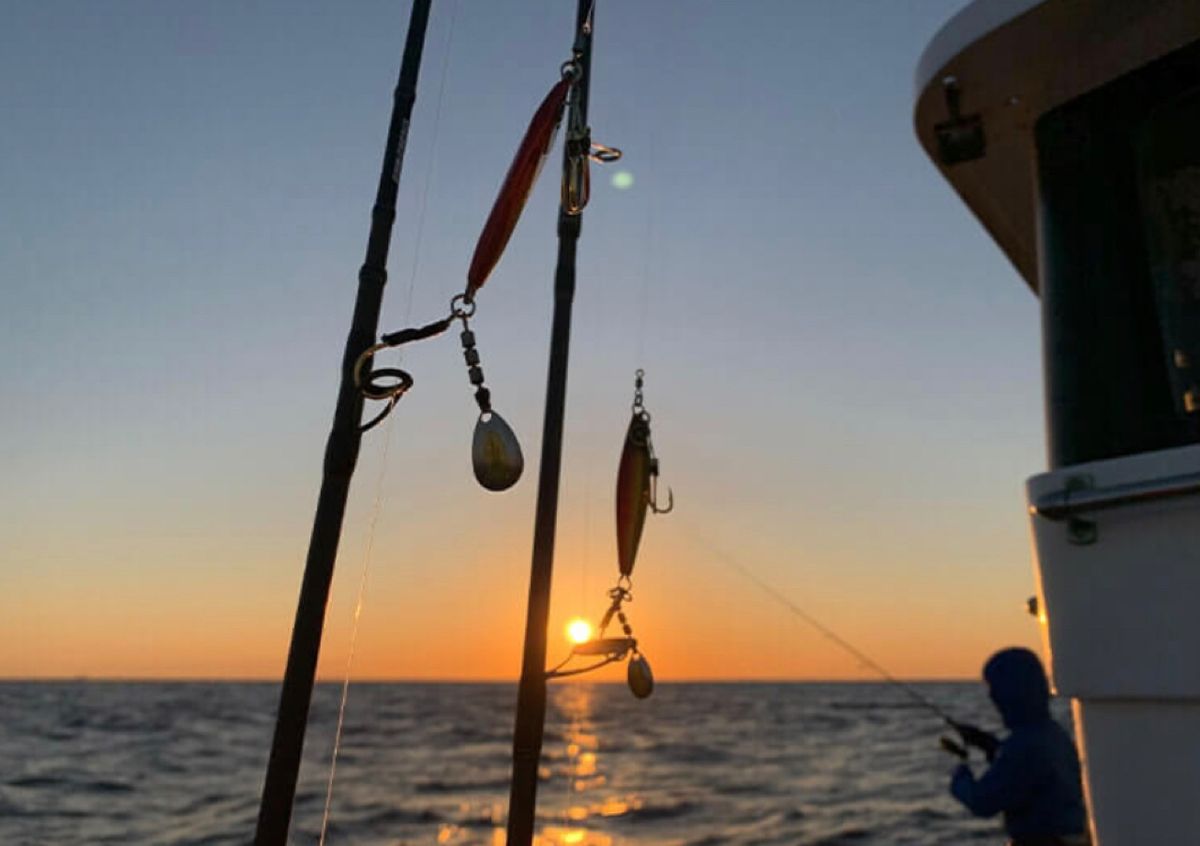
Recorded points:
(637, 490)
(637, 482)
(495, 451)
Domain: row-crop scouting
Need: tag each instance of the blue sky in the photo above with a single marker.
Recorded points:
(843, 369)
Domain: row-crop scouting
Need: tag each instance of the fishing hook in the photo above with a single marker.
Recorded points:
(652, 501)
(652, 494)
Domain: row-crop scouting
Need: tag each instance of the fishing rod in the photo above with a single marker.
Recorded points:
(531, 692)
(861, 656)
(341, 456)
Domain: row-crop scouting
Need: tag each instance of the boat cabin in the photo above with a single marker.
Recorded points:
(1071, 129)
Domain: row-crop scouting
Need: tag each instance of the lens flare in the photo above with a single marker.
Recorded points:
(579, 630)
(622, 180)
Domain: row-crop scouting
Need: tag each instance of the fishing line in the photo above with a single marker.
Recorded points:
(437, 125)
(585, 559)
(358, 606)
(650, 242)
(387, 438)
(863, 658)
(648, 255)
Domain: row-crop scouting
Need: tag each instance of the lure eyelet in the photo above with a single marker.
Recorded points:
(462, 306)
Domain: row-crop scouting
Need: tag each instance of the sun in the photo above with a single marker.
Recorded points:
(579, 630)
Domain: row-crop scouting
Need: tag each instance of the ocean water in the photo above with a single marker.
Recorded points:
(182, 763)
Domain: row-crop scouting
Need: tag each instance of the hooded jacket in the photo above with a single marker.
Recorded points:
(1034, 779)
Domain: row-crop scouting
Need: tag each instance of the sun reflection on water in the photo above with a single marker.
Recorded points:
(557, 836)
(575, 788)
(585, 764)
(580, 765)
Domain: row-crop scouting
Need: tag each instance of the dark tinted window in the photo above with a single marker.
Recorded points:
(1169, 188)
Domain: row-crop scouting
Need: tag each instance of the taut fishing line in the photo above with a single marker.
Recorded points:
(358, 606)
(649, 252)
(585, 559)
(387, 439)
(866, 661)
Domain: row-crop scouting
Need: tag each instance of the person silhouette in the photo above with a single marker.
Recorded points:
(1033, 777)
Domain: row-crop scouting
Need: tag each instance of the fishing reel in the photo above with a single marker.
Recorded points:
(970, 736)
(952, 747)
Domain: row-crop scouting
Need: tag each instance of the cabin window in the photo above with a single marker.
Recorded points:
(1168, 152)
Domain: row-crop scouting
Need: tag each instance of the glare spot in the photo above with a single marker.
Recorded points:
(622, 180)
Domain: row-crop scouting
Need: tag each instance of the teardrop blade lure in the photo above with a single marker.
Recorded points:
(514, 191)
(496, 453)
(639, 677)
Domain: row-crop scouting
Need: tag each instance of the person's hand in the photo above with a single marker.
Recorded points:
(960, 782)
(985, 741)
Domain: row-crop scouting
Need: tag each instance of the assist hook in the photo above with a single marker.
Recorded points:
(652, 501)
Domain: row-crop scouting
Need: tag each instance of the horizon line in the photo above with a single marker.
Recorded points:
(451, 681)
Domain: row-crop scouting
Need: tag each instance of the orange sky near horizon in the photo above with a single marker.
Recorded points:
(456, 612)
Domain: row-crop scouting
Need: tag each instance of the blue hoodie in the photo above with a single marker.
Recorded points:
(1034, 779)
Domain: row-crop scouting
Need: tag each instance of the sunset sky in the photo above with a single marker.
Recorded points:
(843, 370)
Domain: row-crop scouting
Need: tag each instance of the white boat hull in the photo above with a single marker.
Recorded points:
(1121, 623)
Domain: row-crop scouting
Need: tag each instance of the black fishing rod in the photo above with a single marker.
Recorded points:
(531, 694)
(341, 455)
